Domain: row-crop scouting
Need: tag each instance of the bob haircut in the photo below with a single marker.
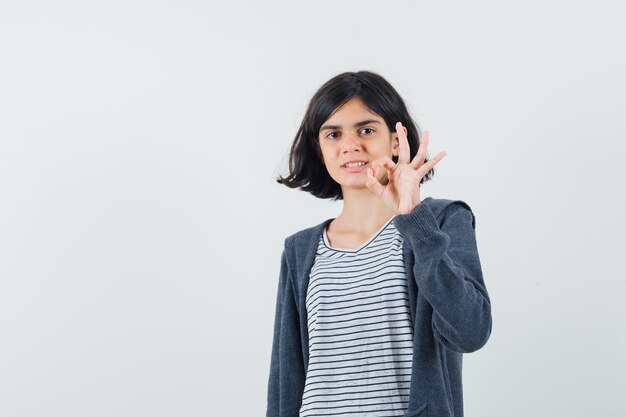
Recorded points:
(306, 168)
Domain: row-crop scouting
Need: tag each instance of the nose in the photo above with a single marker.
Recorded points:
(351, 141)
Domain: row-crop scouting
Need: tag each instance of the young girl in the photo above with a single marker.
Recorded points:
(376, 306)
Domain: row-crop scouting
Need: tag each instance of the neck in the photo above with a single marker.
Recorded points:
(362, 210)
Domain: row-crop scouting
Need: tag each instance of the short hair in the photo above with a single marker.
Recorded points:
(306, 168)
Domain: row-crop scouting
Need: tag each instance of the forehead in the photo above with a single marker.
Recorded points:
(352, 111)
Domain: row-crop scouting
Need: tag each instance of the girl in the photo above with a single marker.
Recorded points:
(375, 307)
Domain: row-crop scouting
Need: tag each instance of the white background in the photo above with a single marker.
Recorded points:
(141, 226)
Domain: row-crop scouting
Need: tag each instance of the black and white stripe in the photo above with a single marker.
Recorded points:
(360, 331)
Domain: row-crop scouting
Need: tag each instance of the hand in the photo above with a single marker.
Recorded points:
(402, 192)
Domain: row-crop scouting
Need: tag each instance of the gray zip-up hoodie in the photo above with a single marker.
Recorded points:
(450, 309)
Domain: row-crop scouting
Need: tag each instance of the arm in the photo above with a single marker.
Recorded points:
(447, 271)
(286, 376)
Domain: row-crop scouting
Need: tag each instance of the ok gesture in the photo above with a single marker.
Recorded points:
(402, 192)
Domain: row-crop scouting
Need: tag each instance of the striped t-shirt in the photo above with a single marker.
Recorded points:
(360, 331)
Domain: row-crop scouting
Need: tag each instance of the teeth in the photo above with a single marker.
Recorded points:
(355, 164)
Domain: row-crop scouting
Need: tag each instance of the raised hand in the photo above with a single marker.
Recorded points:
(402, 192)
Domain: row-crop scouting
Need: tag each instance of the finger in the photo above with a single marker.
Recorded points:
(373, 183)
(419, 158)
(384, 162)
(423, 170)
(404, 151)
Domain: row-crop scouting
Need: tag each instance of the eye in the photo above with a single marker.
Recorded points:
(365, 128)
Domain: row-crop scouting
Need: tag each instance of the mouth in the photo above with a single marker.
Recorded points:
(354, 164)
(354, 167)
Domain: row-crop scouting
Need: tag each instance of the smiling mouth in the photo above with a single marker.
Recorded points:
(355, 169)
(354, 165)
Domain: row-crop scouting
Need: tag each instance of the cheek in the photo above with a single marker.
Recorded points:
(327, 155)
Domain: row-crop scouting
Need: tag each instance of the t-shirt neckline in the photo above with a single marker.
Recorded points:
(363, 245)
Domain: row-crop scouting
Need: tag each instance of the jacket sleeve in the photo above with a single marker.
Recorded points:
(286, 375)
(447, 271)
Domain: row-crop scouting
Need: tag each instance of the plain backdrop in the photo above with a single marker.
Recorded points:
(141, 225)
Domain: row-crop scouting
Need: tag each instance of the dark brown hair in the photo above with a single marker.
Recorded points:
(306, 170)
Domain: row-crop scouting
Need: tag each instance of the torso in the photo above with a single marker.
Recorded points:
(360, 329)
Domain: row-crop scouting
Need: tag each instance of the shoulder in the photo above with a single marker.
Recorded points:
(444, 208)
(306, 237)
(301, 247)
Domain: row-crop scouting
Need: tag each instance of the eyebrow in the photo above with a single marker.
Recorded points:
(364, 122)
